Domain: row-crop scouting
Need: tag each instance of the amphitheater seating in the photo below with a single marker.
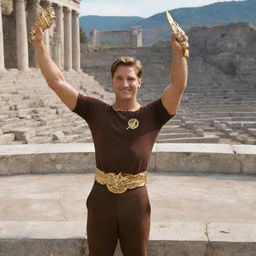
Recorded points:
(30, 113)
(215, 107)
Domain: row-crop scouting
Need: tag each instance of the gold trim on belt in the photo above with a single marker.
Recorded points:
(119, 183)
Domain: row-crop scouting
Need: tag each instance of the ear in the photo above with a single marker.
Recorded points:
(139, 85)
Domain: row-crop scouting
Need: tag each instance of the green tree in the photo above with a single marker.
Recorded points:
(83, 37)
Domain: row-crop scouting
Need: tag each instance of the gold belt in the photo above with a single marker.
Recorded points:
(119, 183)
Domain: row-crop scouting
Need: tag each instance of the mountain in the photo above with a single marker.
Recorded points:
(155, 28)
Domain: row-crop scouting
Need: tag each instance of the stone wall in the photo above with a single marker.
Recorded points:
(230, 48)
(132, 38)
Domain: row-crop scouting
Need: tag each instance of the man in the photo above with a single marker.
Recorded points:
(123, 134)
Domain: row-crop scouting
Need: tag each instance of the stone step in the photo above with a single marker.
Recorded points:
(170, 135)
(84, 140)
(252, 131)
(175, 129)
(224, 114)
(40, 140)
(208, 129)
(241, 124)
(207, 139)
(6, 139)
(40, 220)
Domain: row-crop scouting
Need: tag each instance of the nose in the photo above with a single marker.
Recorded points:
(125, 83)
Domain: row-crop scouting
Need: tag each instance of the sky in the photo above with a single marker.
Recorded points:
(141, 8)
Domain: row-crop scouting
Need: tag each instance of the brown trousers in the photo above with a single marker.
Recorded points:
(118, 216)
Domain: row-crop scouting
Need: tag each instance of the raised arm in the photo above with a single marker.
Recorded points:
(53, 76)
(178, 74)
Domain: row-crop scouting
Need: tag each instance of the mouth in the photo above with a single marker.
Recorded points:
(125, 90)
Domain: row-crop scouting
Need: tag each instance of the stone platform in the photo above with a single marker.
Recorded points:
(202, 198)
(197, 214)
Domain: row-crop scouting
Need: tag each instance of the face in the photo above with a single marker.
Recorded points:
(125, 82)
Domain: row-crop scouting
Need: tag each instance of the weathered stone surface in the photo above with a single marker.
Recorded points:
(58, 135)
(177, 248)
(23, 133)
(122, 39)
(7, 6)
(246, 155)
(172, 157)
(47, 158)
(39, 247)
(190, 215)
(228, 239)
(6, 139)
(196, 158)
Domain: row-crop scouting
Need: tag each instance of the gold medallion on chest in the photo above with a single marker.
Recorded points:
(133, 124)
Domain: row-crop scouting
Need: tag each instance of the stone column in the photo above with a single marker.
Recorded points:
(93, 37)
(46, 32)
(67, 40)
(60, 37)
(21, 36)
(75, 41)
(2, 67)
(35, 11)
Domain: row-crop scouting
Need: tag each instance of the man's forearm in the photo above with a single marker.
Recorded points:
(179, 71)
(49, 69)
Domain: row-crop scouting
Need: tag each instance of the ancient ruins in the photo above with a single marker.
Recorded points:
(201, 192)
(218, 105)
(17, 18)
(116, 38)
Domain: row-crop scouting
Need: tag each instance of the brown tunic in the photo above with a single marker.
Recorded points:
(118, 149)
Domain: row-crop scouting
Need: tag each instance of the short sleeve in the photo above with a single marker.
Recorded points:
(162, 115)
(86, 105)
(82, 106)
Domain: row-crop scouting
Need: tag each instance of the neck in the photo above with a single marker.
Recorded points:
(127, 105)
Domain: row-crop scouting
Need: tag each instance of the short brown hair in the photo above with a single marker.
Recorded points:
(127, 61)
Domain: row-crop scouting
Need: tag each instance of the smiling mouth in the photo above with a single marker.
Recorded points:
(125, 91)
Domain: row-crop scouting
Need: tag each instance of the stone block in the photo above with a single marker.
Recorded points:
(47, 158)
(190, 124)
(39, 247)
(59, 135)
(246, 154)
(6, 138)
(152, 160)
(220, 126)
(5, 108)
(234, 124)
(228, 239)
(13, 114)
(199, 132)
(196, 157)
(23, 133)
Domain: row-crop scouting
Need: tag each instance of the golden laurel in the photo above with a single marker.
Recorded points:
(44, 21)
(133, 124)
(178, 30)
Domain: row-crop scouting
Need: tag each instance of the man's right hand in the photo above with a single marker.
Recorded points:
(38, 41)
